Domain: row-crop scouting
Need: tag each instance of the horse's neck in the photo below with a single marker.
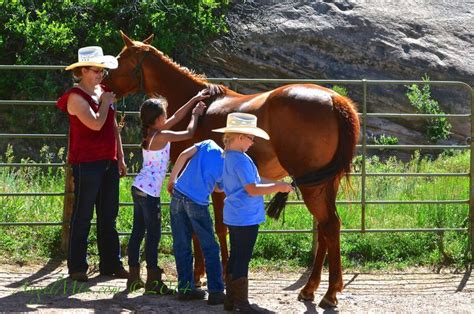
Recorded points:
(173, 83)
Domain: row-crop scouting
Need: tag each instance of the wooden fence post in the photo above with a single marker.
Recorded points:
(68, 206)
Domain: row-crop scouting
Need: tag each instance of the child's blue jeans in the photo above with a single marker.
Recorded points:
(242, 242)
(188, 217)
(146, 217)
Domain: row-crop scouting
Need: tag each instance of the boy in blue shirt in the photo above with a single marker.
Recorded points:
(190, 213)
(243, 205)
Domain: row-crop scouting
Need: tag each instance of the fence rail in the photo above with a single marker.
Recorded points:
(363, 148)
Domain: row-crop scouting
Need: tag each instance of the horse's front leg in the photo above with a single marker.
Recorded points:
(221, 229)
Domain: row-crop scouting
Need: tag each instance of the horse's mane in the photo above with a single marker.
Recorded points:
(199, 78)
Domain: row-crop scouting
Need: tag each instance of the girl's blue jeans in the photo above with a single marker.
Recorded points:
(146, 218)
(188, 217)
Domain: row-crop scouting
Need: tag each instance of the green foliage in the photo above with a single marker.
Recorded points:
(437, 128)
(340, 90)
(48, 32)
(383, 139)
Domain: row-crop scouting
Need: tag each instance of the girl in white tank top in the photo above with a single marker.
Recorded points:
(147, 185)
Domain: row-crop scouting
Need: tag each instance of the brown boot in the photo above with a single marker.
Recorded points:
(154, 283)
(240, 292)
(134, 281)
(229, 299)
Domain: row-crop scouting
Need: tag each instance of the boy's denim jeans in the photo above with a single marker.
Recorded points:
(95, 183)
(188, 217)
(146, 217)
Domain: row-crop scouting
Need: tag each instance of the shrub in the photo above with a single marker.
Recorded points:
(437, 128)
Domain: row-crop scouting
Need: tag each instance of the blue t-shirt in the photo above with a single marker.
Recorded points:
(241, 209)
(202, 173)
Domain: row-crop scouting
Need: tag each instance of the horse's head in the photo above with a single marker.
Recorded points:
(128, 77)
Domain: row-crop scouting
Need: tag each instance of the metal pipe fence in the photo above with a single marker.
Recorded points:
(363, 148)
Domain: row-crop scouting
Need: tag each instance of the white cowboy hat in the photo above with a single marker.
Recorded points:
(245, 123)
(93, 56)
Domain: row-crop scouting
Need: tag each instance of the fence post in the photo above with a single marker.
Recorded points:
(471, 182)
(68, 206)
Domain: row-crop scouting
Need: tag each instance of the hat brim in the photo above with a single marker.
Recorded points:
(108, 62)
(245, 130)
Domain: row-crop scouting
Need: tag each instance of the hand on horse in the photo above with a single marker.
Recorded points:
(199, 109)
(203, 94)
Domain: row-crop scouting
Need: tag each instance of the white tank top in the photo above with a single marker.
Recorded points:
(151, 176)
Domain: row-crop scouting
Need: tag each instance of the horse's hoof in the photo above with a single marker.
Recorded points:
(327, 304)
(200, 283)
(303, 297)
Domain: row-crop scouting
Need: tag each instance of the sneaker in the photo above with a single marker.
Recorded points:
(195, 294)
(216, 298)
(79, 276)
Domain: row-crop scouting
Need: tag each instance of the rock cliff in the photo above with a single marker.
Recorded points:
(355, 39)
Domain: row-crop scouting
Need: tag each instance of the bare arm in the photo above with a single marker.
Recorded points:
(267, 188)
(176, 136)
(78, 106)
(183, 110)
(178, 166)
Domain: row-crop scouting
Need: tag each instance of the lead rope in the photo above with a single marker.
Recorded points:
(121, 124)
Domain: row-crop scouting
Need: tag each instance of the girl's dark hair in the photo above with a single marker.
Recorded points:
(150, 110)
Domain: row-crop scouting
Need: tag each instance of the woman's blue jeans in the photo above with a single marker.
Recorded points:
(146, 217)
(188, 217)
(95, 183)
(242, 242)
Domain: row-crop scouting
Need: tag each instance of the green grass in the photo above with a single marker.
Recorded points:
(364, 251)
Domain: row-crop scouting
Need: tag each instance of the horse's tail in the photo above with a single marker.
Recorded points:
(340, 165)
(349, 130)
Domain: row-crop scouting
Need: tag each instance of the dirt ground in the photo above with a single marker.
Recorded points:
(46, 289)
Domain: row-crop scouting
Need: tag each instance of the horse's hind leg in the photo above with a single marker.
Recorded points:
(221, 229)
(321, 202)
(307, 293)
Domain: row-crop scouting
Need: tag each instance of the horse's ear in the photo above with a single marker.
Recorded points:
(149, 39)
(128, 42)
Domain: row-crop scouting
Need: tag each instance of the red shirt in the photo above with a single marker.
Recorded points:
(85, 144)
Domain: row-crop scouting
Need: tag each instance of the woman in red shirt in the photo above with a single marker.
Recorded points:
(96, 156)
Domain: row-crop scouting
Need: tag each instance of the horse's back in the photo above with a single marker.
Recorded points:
(303, 124)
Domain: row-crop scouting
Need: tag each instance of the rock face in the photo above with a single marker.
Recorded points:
(371, 39)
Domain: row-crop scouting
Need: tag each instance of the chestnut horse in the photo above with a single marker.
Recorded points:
(313, 134)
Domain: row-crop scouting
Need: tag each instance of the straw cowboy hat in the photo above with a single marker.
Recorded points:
(245, 123)
(93, 56)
